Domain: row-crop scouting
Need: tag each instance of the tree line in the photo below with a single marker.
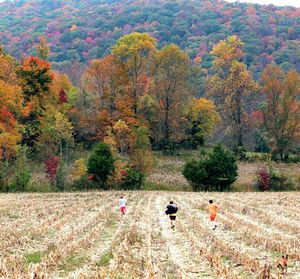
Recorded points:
(140, 98)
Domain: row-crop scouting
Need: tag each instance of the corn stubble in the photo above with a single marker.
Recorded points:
(85, 236)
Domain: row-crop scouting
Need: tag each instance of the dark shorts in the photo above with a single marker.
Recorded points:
(172, 218)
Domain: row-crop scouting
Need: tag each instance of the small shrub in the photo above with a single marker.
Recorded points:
(270, 180)
(101, 164)
(141, 156)
(240, 153)
(79, 169)
(216, 171)
(15, 176)
(195, 172)
(61, 176)
(279, 182)
(263, 179)
(22, 174)
(84, 183)
(20, 180)
(4, 176)
(51, 167)
(132, 179)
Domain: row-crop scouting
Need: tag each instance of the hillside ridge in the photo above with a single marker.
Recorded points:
(84, 30)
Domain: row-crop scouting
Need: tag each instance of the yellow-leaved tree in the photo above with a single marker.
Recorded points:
(171, 90)
(202, 119)
(133, 53)
(232, 87)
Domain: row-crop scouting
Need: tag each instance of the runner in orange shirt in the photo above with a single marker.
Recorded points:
(282, 264)
(213, 210)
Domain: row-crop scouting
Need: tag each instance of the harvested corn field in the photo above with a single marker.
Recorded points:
(83, 235)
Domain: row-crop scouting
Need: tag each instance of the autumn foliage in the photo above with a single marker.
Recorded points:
(281, 110)
(142, 98)
(51, 167)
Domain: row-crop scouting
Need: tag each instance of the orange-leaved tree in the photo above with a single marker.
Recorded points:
(9, 134)
(281, 109)
(35, 78)
(11, 107)
(103, 79)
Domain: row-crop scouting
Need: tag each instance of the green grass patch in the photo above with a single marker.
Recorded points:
(35, 187)
(225, 259)
(13, 216)
(105, 259)
(34, 257)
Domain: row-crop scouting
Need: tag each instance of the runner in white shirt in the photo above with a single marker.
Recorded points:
(122, 204)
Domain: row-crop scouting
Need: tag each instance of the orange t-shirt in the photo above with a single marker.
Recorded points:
(212, 209)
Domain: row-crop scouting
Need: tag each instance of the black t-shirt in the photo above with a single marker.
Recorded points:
(171, 209)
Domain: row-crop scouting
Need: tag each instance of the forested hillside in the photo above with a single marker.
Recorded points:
(84, 30)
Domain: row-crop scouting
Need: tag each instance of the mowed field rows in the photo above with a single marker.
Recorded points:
(83, 235)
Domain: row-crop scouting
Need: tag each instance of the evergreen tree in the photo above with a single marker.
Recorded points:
(101, 164)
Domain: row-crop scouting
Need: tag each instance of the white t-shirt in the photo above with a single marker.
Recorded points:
(122, 202)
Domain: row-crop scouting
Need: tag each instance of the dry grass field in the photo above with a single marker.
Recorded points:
(167, 173)
(83, 235)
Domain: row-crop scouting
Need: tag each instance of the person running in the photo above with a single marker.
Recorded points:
(171, 212)
(282, 264)
(122, 205)
(213, 210)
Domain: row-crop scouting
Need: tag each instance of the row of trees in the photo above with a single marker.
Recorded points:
(141, 97)
(156, 88)
(147, 87)
(270, 107)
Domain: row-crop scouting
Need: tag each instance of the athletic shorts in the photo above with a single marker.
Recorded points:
(173, 218)
(213, 217)
(123, 209)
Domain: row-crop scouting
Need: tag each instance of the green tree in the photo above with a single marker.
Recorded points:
(22, 175)
(216, 171)
(101, 164)
(55, 133)
(133, 179)
(141, 155)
